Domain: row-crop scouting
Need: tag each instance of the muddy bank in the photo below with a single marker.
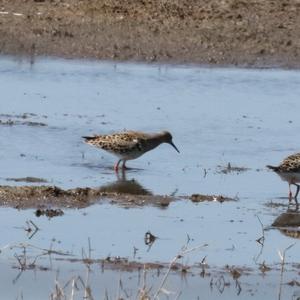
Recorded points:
(234, 32)
(202, 269)
(124, 264)
(43, 196)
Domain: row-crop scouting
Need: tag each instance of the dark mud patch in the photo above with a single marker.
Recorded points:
(202, 198)
(42, 196)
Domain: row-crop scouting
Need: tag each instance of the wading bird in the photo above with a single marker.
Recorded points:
(289, 170)
(130, 144)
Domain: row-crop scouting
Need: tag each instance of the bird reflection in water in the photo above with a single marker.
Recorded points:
(288, 223)
(131, 193)
(124, 186)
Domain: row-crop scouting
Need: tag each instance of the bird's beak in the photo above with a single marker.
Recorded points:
(171, 143)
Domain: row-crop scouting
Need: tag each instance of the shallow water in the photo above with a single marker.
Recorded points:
(248, 118)
(113, 284)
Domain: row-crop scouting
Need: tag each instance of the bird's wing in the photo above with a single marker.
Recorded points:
(119, 142)
(291, 163)
(128, 140)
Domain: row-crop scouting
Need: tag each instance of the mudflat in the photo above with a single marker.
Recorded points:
(227, 32)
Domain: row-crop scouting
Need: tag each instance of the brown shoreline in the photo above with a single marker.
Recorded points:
(40, 197)
(230, 32)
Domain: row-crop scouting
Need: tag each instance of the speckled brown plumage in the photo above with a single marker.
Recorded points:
(130, 144)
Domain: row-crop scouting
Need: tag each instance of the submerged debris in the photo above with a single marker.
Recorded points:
(272, 204)
(264, 268)
(28, 179)
(31, 229)
(10, 122)
(19, 116)
(149, 238)
(235, 273)
(50, 213)
(231, 169)
(294, 283)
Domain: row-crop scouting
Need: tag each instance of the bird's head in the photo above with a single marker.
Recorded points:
(166, 137)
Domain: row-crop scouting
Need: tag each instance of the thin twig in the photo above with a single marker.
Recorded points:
(260, 240)
(72, 289)
(173, 261)
(282, 258)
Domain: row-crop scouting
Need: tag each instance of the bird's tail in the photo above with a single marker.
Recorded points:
(274, 168)
(88, 138)
(91, 140)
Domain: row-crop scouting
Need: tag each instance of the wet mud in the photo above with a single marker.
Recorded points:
(126, 265)
(43, 196)
(231, 32)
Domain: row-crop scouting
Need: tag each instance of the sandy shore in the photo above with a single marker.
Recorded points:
(218, 32)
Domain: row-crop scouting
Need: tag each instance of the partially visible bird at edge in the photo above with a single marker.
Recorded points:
(129, 145)
(289, 170)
